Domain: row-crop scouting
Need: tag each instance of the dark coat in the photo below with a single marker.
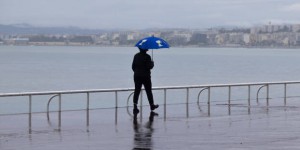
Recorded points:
(142, 64)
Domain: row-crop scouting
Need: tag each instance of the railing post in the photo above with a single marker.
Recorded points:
(187, 95)
(229, 100)
(30, 113)
(116, 108)
(208, 101)
(116, 99)
(267, 95)
(88, 109)
(59, 112)
(187, 102)
(285, 94)
(249, 95)
(165, 104)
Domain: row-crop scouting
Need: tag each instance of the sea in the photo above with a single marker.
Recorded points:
(60, 68)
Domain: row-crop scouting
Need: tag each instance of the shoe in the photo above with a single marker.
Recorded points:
(152, 107)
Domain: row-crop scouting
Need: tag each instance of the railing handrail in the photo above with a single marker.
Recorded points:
(165, 88)
(132, 89)
(225, 85)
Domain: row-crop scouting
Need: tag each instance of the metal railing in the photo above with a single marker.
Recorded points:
(207, 87)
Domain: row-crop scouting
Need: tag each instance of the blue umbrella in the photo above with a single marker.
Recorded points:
(152, 43)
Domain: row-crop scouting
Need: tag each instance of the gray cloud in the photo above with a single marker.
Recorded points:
(146, 14)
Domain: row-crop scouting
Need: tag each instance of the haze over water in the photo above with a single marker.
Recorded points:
(72, 68)
(38, 68)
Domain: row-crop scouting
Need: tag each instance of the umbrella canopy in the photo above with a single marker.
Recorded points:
(152, 43)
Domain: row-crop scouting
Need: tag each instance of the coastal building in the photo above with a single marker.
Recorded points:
(266, 36)
(296, 28)
(246, 39)
(16, 41)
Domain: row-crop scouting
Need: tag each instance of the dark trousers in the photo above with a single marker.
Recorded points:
(146, 81)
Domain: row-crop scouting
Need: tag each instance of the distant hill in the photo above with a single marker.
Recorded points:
(28, 29)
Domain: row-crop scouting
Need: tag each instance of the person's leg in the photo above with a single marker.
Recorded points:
(138, 86)
(148, 87)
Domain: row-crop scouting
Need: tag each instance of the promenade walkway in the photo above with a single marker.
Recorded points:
(263, 129)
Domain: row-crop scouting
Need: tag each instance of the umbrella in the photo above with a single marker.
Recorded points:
(152, 43)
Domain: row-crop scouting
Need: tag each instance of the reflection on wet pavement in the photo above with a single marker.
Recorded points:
(275, 128)
(143, 134)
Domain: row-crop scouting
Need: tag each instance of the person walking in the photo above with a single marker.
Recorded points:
(141, 66)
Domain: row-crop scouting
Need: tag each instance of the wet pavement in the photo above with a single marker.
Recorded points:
(185, 127)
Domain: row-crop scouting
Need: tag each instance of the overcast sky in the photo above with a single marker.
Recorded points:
(141, 14)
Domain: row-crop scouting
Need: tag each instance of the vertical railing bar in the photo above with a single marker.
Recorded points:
(116, 108)
(116, 98)
(208, 101)
(30, 114)
(59, 112)
(285, 94)
(187, 95)
(87, 101)
(267, 95)
(116, 116)
(249, 96)
(165, 104)
(229, 100)
(88, 109)
(187, 102)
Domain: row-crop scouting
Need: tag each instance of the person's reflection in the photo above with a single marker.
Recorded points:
(143, 135)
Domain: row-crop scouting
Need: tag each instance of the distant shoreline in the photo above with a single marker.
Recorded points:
(249, 47)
